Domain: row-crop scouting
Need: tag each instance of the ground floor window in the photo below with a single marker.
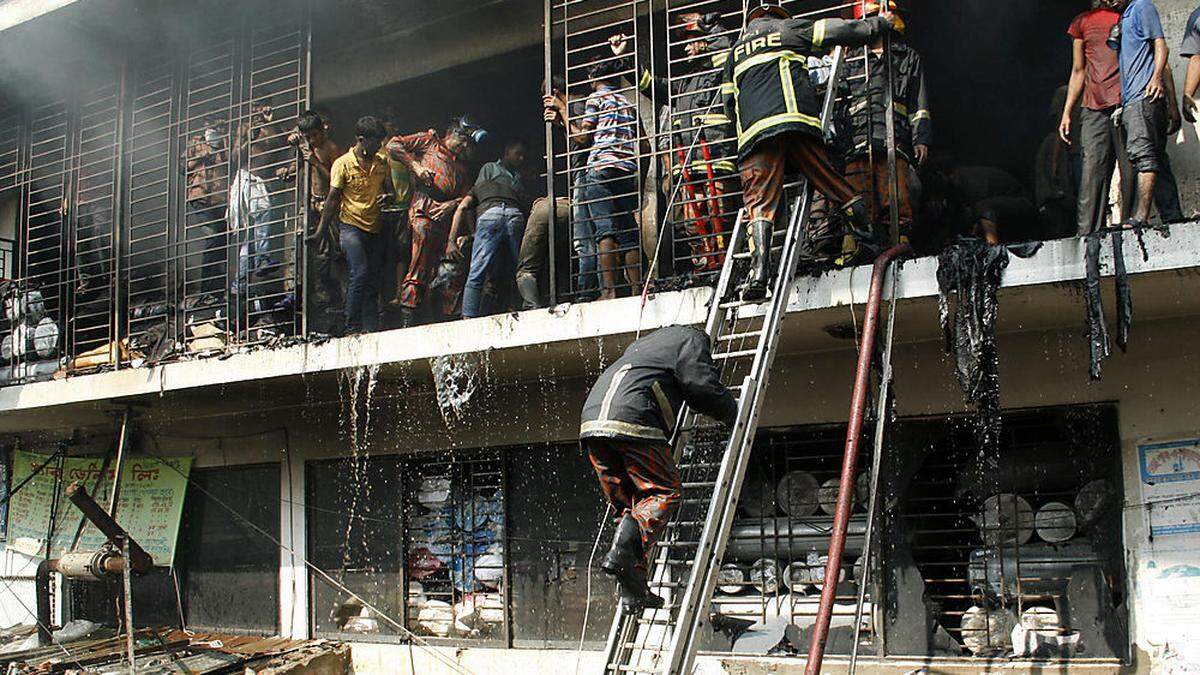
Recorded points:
(230, 580)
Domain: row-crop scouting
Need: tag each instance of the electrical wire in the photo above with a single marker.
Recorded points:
(69, 654)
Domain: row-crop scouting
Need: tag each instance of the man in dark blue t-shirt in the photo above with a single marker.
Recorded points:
(1148, 108)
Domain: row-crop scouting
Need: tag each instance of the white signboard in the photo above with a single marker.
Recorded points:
(1170, 476)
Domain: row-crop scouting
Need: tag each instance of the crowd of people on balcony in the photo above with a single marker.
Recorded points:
(400, 235)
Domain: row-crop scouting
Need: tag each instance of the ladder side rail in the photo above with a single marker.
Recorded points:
(881, 411)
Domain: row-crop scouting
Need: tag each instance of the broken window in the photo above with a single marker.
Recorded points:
(455, 534)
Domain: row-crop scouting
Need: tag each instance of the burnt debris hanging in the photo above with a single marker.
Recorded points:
(1098, 339)
(971, 269)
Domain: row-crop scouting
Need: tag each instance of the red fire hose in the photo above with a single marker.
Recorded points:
(858, 404)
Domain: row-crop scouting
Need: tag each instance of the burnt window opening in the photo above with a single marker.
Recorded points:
(455, 543)
(159, 181)
(1031, 538)
(421, 539)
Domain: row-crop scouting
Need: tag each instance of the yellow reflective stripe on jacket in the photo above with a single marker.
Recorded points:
(646, 81)
(619, 428)
(920, 115)
(775, 120)
(700, 166)
(711, 119)
(759, 59)
(720, 58)
(818, 35)
(727, 88)
(789, 87)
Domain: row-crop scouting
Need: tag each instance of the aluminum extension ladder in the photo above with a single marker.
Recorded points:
(712, 459)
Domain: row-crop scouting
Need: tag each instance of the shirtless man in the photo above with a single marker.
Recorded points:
(317, 152)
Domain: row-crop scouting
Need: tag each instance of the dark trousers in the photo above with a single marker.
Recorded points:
(1102, 147)
(206, 258)
(873, 181)
(640, 478)
(364, 255)
(534, 255)
(1144, 133)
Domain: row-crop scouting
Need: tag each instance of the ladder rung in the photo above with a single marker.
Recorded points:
(664, 584)
(634, 669)
(735, 355)
(733, 304)
(643, 648)
(656, 622)
(746, 254)
(701, 484)
(699, 465)
(684, 523)
(738, 336)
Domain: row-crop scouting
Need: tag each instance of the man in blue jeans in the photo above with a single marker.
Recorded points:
(500, 202)
(359, 183)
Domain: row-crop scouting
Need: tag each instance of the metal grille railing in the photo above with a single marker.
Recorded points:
(92, 210)
(680, 202)
(185, 151)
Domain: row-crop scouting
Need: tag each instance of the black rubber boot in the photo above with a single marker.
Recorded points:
(755, 287)
(626, 563)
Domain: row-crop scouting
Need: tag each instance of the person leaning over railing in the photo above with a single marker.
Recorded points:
(500, 202)
(438, 168)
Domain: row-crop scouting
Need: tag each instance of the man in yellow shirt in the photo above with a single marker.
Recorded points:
(359, 183)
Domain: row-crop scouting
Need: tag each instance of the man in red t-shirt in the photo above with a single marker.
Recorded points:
(1095, 76)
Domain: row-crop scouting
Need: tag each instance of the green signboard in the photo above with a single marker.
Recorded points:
(149, 505)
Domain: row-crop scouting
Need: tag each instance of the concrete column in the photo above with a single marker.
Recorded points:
(293, 577)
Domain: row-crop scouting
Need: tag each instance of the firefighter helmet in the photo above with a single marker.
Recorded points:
(765, 7)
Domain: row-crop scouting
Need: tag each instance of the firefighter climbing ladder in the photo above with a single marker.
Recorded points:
(712, 460)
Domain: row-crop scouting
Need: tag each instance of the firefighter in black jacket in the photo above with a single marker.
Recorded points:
(699, 153)
(777, 116)
(866, 165)
(626, 429)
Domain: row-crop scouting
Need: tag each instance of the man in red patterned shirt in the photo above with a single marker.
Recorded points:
(438, 167)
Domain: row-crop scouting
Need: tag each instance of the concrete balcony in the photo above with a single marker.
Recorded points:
(1038, 294)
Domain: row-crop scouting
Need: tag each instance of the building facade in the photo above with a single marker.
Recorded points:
(428, 482)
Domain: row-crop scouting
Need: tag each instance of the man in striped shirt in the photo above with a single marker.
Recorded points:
(609, 184)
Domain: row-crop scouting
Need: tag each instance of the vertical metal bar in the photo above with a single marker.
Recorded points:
(405, 542)
(124, 114)
(305, 199)
(890, 126)
(505, 578)
(551, 204)
(127, 587)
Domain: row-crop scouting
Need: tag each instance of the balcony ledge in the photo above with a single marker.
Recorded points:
(1057, 263)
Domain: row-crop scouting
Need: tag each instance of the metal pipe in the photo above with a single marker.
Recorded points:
(139, 560)
(858, 404)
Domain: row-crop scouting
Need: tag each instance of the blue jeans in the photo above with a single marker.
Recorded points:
(497, 244)
(584, 243)
(253, 254)
(611, 198)
(364, 256)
